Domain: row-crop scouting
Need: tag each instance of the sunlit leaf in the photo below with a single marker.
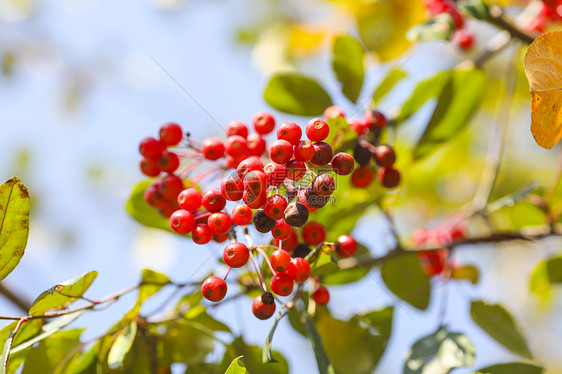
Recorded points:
(348, 62)
(546, 274)
(500, 325)
(512, 368)
(143, 213)
(252, 358)
(151, 282)
(322, 359)
(345, 276)
(385, 86)
(237, 367)
(404, 276)
(121, 346)
(48, 355)
(26, 332)
(267, 353)
(468, 272)
(543, 67)
(14, 224)
(425, 90)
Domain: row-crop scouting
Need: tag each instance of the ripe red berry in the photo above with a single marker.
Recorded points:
(304, 151)
(151, 148)
(333, 111)
(275, 206)
(263, 122)
(256, 145)
(220, 238)
(323, 154)
(323, 185)
(255, 181)
(214, 288)
(190, 199)
(317, 130)
(202, 234)
(360, 127)
(434, 262)
(182, 222)
(219, 222)
(280, 151)
(288, 245)
(384, 155)
(299, 269)
(249, 164)
(260, 309)
(282, 230)
(281, 284)
(389, 177)
(212, 148)
(153, 196)
(275, 174)
(302, 197)
(343, 164)
(464, 39)
(171, 186)
(171, 134)
(254, 200)
(374, 118)
(168, 162)
(236, 255)
(346, 246)
(213, 201)
(167, 208)
(236, 145)
(232, 187)
(290, 132)
(149, 167)
(361, 177)
(237, 128)
(295, 169)
(321, 296)
(313, 233)
(233, 162)
(280, 260)
(241, 215)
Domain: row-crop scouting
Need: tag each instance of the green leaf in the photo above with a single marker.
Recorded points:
(475, 9)
(468, 272)
(151, 282)
(512, 368)
(355, 346)
(425, 90)
(27, 331)
(6, 353)
(440, 352)
(14, 224)
(322, 261)
(346, 276)
(143, 213)
(440, 27)
(404, 276)
(457, 102)
(322, 359)
(348, 62)
(298, 94)
(500, 325)
(237, 367)
(49, 354)
(546, 274)
(199, 316)
(253, 358)
(392, 78)
(185, 343)
(267, 354)
(341, 137)
(121, 346)
(511, 199)
(62, 295)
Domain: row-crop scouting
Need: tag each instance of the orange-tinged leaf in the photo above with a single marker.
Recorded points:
(543, 66)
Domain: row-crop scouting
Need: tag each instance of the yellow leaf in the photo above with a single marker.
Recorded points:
(305, 40)
(543, 67)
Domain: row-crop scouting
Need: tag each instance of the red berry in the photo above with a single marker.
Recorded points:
(214, 288)
(458, 19)
(361, 177)
(236, 145)
(313, 233)
(241, 215)
(280, 260)
(304, 151)
(236, 255)
(167, 208)
(256, 145)
(333, 111)
(389, 177)
(295, 169)
(281, 284)
(280, 151)
(288, 245)
(343, 164)
(153, 196)
(359, 126)
(202, 234)
(190, 199)
(464, 39)
(275, 206)
(275, 174)
(249, 164)
(213, 201)
(219, 222)
(232, 187)
(220, 238)
(434, 262)
(254, 200)
(182, 222)
(323, 185)
(168, 162)
(171, 133)
(302, 198)
(290, 132)
(323, 154)
(213, 148)
(419, 236)
(299, 269)
(374, 118)
(255, 181)
(282, 230)
(151, 148)
(263, 122)
(233, 162)
(317, 130)
(346, 246)
(384, 155)
(171, 186)
(237, 128)
(321, 296)
(260, 309)
(149, 167)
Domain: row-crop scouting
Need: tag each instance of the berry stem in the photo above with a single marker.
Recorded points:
(266, 258)
(258, 272)
(228, 272)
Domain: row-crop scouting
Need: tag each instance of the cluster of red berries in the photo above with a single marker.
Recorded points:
(435, 261)
(368, 131)
(462, 37)
(551, 11)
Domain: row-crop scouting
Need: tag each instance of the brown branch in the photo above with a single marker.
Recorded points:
(16, 299)
(498, 19)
